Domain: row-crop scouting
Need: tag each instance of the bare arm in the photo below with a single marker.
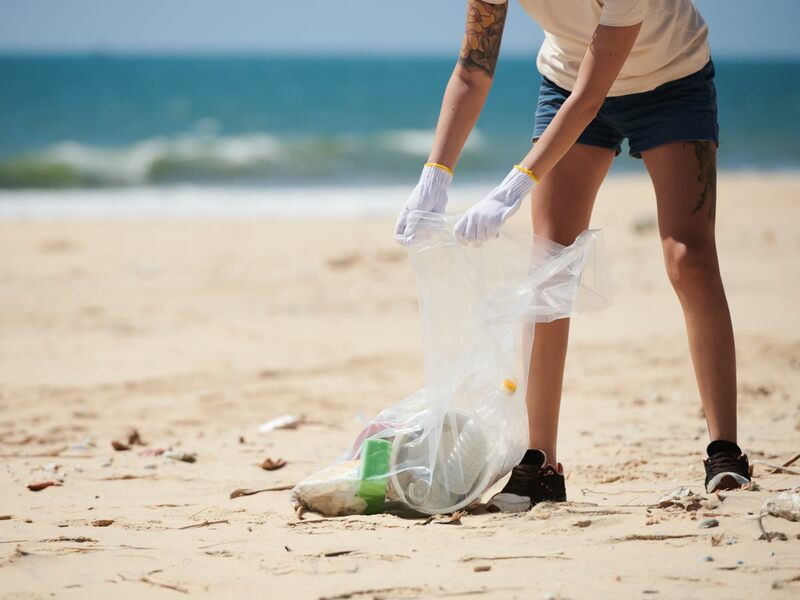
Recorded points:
(471, 80)
(601, 64)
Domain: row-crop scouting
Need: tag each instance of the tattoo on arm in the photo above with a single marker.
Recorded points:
(707, 178)
(481, 46)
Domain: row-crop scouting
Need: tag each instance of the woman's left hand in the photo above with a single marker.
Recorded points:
(484, 220)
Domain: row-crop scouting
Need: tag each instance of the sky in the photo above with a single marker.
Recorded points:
(738, 27)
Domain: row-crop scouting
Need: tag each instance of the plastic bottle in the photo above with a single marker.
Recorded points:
(374, 473)
(461, 459)
(464, 460)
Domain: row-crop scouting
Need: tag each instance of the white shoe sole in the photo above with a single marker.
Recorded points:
(509, 503)
(726, 481)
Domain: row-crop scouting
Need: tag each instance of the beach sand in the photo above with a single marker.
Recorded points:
(195, 331)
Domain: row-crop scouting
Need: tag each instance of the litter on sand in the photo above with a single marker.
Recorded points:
(439, 449)
(38, 486)
(709, 523)
(187, 457)
(282, 422)
(785, 505)
(273, 465)
(239, 492)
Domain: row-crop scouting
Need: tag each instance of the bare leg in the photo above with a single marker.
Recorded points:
(684, 176)
(561, 208)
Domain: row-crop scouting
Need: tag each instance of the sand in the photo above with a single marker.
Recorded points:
(195, 331)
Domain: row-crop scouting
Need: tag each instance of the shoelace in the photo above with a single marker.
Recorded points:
(525, 477)
(724, 462)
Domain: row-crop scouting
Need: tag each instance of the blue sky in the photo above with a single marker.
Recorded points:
(738, 27)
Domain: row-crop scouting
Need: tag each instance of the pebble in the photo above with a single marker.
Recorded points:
(188, 457)
(583, 523)
(85, 444)
(709, 523)
(707, 558)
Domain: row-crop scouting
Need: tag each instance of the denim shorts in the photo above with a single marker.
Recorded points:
(676, 111)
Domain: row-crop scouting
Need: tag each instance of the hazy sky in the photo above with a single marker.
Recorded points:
(738, 27)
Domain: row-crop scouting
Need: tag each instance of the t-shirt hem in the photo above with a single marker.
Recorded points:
(620, 21)
(692, 65)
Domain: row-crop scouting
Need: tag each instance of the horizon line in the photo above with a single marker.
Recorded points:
(311, 53)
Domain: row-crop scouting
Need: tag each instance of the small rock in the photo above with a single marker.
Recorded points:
(583, 523)
(707, 558)
(709, 523)
(151, 466)
(38, 486)
(152, 452)
(134, 438)
(739, 563)
(482, 568)
(675, 497)
(85, 444)
(119, 446)
(273, 465)
(187, 457)
(102, 522)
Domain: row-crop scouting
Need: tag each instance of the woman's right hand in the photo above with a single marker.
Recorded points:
(430, 195)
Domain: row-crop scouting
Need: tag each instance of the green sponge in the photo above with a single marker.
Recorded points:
(374, 473)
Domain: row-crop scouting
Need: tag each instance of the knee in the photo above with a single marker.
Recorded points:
(692, 267)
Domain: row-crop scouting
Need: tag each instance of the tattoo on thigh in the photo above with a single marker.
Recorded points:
(707, 178)
(482, 37)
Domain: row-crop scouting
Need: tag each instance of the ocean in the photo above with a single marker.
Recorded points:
(277, 121)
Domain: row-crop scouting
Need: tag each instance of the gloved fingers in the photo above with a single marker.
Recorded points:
(492, 231)
(471, 234)
(412, 220)
(483, 231)
(460, 229)
(400, 226)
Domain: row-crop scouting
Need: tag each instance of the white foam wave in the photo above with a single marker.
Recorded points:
(418, 142)
(135, 164)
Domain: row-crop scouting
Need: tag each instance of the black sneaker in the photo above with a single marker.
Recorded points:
(531, 482)
(727, 467)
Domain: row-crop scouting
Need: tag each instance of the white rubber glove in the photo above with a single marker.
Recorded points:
(483, 220)
(430, 195)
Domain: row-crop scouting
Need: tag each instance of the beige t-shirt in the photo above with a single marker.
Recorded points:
(672, 43)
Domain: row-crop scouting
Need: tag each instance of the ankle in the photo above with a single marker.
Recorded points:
(539, 458)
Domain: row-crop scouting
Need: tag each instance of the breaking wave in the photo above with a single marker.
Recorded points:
(246, 158)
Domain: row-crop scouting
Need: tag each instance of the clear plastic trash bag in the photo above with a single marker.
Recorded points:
(439, 449)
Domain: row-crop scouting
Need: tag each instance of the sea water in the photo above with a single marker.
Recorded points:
(282, 122)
